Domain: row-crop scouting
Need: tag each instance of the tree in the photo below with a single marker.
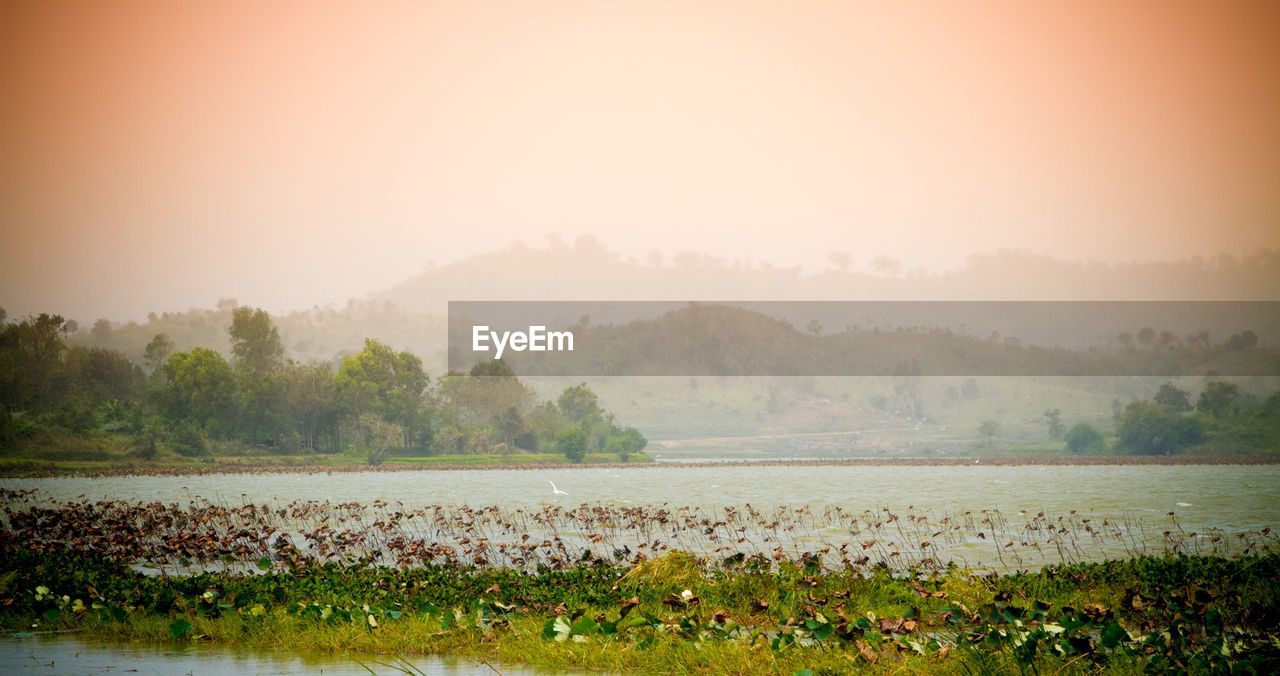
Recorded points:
(493, 368)
(988, 429)
(1084, 438)
(625, 442)
(200, 388)
(189, 441)
(1242, 341)
(510, 425)
(1144, 428)
(157, 351)
(578, 403)
(255, 341)
(97, 374)
(573, 443)
(379, 436)
(311, 403)
(1219, 399)
(1172, 399)
(101, 330)
(30, 363)
(1054, 417)
(380, 380)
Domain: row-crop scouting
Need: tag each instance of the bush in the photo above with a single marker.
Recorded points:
(1084, 438)
(1144, 428)
(189, 441)
(573, 443)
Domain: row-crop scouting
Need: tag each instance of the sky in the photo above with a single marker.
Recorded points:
(163, 155)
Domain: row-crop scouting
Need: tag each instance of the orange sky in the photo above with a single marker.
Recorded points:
(160, 155)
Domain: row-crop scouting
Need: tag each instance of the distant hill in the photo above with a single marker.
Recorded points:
(722, 340)
(591, 272)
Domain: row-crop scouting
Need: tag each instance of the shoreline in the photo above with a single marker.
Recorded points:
(1048, 461)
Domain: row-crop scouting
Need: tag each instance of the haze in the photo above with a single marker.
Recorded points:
(164, 155)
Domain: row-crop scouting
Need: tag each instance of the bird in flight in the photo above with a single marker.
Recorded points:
(555, 490)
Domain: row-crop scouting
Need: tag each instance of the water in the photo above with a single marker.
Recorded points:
(1230, 497)
(68, 654)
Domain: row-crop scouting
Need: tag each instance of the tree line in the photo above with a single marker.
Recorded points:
(1221, 420)
(377, 400)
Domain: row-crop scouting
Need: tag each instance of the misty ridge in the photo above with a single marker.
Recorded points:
(757, 339)
(411, 315)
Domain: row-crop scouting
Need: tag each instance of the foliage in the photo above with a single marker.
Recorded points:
(1084, 438)
(572, 442)
(200, 389)
(1173, 399)
(1144, 428)
(1219, 399)
(1159, 615)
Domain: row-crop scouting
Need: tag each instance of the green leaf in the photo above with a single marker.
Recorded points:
(584, 626)
(179, 628)
(824, 632)
(1112, 635)
(264, 563)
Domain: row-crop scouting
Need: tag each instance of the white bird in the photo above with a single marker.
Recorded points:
(555, 490)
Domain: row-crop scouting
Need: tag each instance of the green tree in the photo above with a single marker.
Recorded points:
(189, 441)
(486, 393)
(311, 404)
(380, 380)
(258, 354)
(572, 442)
(1144, 428)
(625, 442)
(157, 351)
(97, 374)
(255, 341)
(30, 363)
(493, 368)
(510, 425)
(1172, 399)
(579, 403)
(1084, 438)
(200, 387)
(1219, 399)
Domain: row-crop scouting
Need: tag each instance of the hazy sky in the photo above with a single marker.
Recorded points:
(160, 155)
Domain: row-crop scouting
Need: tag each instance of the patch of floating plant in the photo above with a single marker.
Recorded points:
(201, 535)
